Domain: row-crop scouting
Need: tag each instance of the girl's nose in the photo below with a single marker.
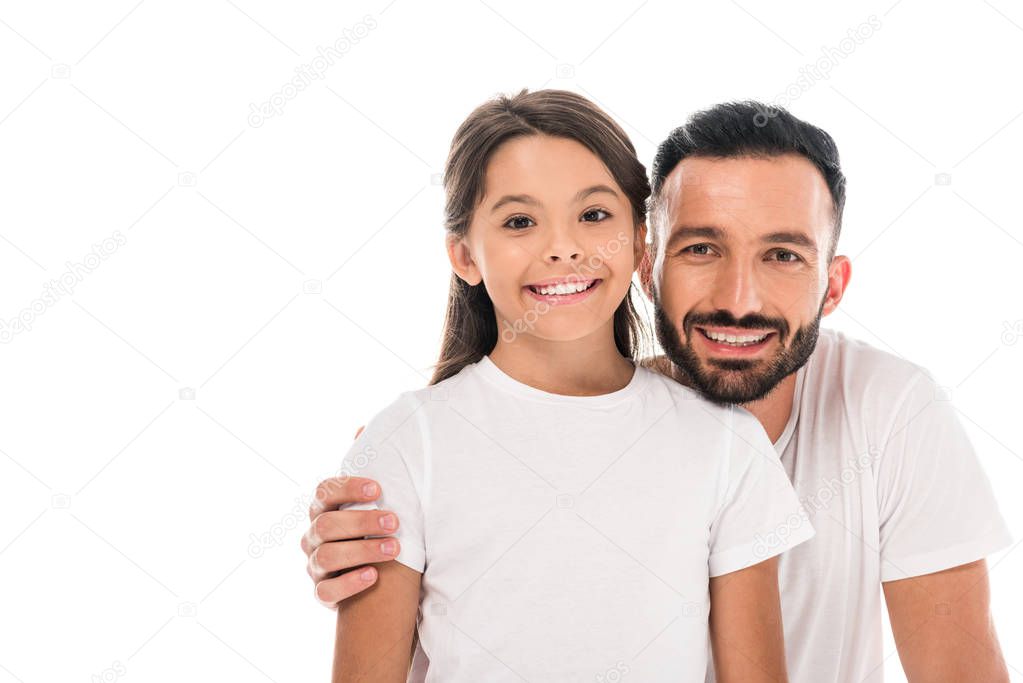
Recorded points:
(574, 256)
(563, 246)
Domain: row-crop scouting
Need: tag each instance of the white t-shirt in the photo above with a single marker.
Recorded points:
(889, 479)
(572, 538)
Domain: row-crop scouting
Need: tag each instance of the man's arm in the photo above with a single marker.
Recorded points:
(942, 626)
(746, 626)
(375, 629)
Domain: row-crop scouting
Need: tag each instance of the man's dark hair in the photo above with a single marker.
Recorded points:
(753, 129)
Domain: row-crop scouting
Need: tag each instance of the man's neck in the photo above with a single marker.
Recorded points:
(773, 410)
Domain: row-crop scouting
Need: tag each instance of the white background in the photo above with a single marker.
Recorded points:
(292, 274)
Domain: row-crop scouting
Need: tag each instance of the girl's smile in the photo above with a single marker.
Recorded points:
(561, 291)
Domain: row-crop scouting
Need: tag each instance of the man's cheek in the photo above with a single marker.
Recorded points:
(675, 313)
(678, 295)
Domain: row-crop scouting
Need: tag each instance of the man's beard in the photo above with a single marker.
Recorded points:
(736, 380)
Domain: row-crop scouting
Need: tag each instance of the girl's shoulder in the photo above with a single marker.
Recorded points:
(408, 413)
(667, 375)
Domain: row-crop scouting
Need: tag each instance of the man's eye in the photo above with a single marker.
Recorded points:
(595, 215)
(698, 249)
(518, 222)
(786, 256)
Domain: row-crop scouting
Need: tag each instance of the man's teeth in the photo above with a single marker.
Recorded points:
(563, 288)
(743, 340)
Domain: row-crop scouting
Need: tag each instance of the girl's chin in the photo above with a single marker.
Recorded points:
(510, 336)
(555, 325)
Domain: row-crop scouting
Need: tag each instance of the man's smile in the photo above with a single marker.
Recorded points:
(730, 341)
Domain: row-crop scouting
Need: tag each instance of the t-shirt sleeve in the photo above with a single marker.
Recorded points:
(936, 508)
(389, 451)
(760, 515)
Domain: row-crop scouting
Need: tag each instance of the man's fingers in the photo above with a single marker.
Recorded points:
(332, 591)
(340, 525)
(336, 491)
(342, 555)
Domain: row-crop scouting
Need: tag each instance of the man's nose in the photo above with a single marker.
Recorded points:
(737, 289)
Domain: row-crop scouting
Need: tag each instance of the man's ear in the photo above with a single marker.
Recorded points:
(462, 262)
(839, 273)
(646, 271)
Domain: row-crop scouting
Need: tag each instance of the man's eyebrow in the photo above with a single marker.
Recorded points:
(792, 237)
(686, 232)
(531, 200)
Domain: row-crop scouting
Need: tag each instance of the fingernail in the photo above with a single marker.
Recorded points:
(388, 547)
(388, 522)
(367, 574)
(369, 489)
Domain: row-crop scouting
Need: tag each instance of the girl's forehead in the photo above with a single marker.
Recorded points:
(544, 166)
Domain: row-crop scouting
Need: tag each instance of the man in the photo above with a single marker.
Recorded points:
(746, 213)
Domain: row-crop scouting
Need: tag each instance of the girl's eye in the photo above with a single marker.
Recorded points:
(784, 256)
(518, 222)
(595, 215)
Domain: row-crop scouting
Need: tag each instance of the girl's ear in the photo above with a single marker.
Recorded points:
(644, 262)
(462, 262)
(646, 274)
(639, 245)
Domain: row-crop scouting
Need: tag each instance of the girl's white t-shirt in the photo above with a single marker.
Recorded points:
(567, 538)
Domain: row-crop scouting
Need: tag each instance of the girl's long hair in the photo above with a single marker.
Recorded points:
(470, 325)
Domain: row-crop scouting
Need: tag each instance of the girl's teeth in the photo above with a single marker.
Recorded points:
(563, 288)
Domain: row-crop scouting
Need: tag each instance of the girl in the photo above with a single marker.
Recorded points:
(521, 472)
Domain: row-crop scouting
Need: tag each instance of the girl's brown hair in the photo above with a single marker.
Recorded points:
(470, 325)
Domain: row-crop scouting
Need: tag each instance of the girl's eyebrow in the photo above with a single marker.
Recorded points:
(593, 189)
(514, 198)
(529, 199)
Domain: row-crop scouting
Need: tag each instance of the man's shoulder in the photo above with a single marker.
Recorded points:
(667, 374)
(840, 357)
(848, 371)
(687, 402)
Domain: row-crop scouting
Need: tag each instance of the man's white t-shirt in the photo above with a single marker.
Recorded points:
(887, 475)
(572, 538)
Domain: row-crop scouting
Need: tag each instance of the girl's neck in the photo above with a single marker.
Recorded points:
(590, 366)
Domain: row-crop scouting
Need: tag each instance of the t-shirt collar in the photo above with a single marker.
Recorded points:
(790, 426)
(487, 369)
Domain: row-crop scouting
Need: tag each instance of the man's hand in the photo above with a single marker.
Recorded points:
(942, 627)
(334, 542)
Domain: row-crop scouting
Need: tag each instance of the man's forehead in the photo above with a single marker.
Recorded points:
(780, 184)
